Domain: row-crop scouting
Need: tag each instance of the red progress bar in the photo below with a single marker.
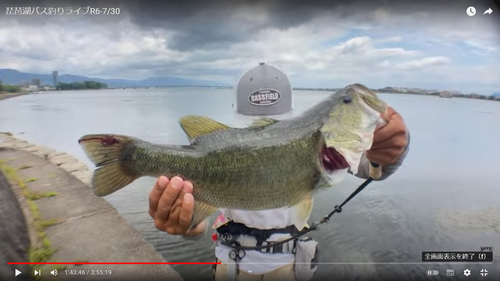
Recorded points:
(114, 263)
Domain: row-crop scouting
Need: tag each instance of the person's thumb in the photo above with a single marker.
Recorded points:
(387, 114)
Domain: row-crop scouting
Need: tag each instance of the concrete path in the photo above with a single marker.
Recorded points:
(81, 226)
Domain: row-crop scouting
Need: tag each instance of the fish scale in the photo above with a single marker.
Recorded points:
(233, 171)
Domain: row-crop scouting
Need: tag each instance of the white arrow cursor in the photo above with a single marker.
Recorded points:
(489, 11)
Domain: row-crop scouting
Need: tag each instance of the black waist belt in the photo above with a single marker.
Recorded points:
(234, 228)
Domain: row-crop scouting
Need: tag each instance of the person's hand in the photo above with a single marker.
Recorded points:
(171, 205)
(389, 141)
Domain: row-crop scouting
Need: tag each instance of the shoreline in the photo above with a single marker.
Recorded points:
(67, 223)
(8, 96)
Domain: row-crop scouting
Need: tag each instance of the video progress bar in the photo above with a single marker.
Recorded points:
(211, 263)
(106, 263)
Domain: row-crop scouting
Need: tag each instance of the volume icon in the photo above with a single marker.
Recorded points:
(54, 272)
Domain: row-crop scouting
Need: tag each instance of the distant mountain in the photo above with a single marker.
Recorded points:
(14, 77)
(496, 95)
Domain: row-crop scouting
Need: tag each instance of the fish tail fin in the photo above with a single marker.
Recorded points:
(110, 153)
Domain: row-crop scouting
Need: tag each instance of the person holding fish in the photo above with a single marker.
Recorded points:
(172, 203)
(261, 178)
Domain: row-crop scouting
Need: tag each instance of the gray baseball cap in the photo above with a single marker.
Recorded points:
(263, 90)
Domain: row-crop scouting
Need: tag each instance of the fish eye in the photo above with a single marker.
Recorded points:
(346, 99)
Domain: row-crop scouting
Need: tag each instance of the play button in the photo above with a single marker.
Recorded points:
(17, 272)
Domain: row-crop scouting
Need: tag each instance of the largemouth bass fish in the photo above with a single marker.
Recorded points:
(270, 164)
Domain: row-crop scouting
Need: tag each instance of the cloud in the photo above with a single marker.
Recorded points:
(422, 63)
(323, 44)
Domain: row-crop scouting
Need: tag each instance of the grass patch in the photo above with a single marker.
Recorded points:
(36, 196)
(52, 176)
(50, 194)
(44, 251)
(47, 223)
(31, 180)
(40, 255)
(23, 167)
(7, 133)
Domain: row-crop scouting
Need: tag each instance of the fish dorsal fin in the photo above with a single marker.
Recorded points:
(262, 122)
(196, 126)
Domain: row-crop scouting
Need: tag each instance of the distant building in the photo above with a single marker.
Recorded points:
(35, 82)
(47, 88)
(263, 90)
(30, 88)
(55, 78)
(446, 94)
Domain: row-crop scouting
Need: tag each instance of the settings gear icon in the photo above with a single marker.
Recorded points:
(467, 272)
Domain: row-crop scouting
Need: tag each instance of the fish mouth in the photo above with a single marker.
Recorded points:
(332, 160)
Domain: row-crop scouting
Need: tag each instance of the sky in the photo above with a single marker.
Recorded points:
(317, 44)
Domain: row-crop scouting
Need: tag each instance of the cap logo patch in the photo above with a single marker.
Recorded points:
(264, 97)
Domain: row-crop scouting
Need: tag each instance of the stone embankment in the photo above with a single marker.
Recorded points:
(68, 223)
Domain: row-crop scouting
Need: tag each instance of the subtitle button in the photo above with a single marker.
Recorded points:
(450, 272)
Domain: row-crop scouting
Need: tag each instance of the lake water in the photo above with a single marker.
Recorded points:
(444, 198)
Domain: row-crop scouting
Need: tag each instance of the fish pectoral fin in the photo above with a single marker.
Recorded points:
(324, 182)
(195, 126)
(262, 122)
(200, 213)
(302, 213)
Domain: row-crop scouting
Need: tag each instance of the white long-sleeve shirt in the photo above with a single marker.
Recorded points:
(260, 263)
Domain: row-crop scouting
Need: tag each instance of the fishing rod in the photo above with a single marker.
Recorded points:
(375, 173)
